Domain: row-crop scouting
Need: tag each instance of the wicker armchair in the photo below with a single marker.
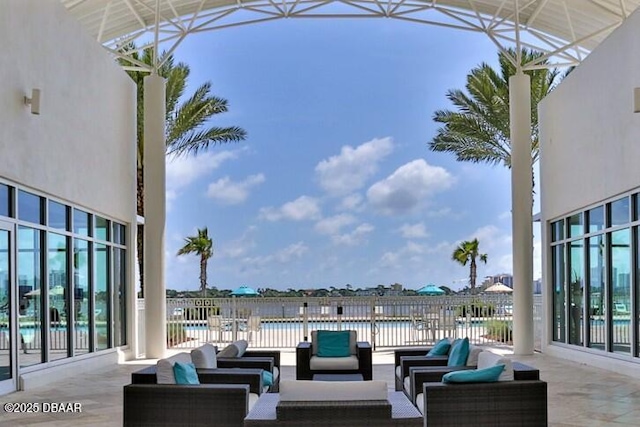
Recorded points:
(308, 364)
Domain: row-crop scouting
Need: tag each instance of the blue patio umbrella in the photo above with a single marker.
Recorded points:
(244, 291)
(430, 289)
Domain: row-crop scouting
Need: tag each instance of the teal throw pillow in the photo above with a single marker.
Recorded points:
(333, 343)
(185, 373)
(267, 378)
(486, 375)
(441, 348)
(459, 352)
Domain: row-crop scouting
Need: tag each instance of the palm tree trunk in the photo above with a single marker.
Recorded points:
(203, 276)
(472, 278)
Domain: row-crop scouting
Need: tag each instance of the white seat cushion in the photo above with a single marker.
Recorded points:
(420, 402)
(253, 398)
(407, 384)
(333, 363)
(164, 368)
(399, 371)
(474, 351)
(276, 373)
(487, 359)
(297, 391)
(204, 357)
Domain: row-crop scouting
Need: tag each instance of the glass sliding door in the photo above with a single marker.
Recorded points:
(8, 316)
(620, 286)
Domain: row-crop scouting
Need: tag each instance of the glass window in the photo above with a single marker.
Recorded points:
(576, 225)
(636, 207)
(119, 236)
(58, 296)
(595, 219)
(29, 207)
(102, 301)
(557, 230)
(576, 292)
(102, 228)
(620, 274)
(597, 301)
(5, 200)
(119, 300)
(58, 217)
(559, 316)
(6, 312)
(619, 212)
(81, 222)
(81, 295)
(31, 303)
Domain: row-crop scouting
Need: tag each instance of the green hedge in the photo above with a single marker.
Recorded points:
(476, 309)
(499, 330)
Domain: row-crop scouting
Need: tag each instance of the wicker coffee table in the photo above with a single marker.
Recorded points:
(338, 377)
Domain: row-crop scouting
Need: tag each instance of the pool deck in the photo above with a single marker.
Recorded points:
(579, 395)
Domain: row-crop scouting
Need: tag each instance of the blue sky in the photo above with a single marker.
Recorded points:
(335, 184)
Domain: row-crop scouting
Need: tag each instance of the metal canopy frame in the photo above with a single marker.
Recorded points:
(564, 30)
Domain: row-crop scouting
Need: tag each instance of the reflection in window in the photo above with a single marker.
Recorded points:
(597, 306)
(620, 275)
(29, 207)
(31, 304)
(119, 234)
(559, 316)
(596, 219)
(102, 228)
(81, 295)
(6, 314)
(5, 200)
(576, 225)
(576, 292)
(80, 222)
(58, 296)
(557, 231)
(120, 289)
(619, 212)
(58, 217)
(102, 297)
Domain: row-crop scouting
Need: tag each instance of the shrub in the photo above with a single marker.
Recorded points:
(499, 330)
(476, 309)
(176, 334)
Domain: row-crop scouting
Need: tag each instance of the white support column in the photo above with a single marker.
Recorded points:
(521, 212)
(154, 209)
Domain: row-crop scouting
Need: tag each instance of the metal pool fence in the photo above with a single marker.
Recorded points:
(383, 321)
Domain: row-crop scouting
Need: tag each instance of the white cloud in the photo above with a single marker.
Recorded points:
(333, 224)
(352, 202)
(411, 252)
(232, 193)
(408, 187)
(413, 231)
(341, 174)
(240, 246)
(357, 236)
(283, 256)
(301, 209)
(182, 171)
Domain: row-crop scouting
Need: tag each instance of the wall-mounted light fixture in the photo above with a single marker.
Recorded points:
(636, 100)
(34, 101)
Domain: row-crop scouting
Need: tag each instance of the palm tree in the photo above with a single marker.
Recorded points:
(186, 130)
(468, 252)
(479, 130)
(201, 245)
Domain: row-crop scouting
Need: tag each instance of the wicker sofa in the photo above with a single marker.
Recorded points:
(171, 405)
(340, 404)
(510, 403)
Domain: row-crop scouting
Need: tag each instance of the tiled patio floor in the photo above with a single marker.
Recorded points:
(579, 396)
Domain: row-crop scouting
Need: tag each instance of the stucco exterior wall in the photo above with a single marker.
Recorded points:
(81, 148)
(589, 135)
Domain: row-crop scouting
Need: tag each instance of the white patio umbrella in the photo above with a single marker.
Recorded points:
(498, 288)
